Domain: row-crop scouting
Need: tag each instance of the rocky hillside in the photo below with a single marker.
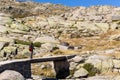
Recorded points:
(24, 9)
(92, 33)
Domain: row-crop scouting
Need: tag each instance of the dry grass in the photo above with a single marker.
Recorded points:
(64, 52)
(95, 43)
(47, 72)
(110, 32)
(115, 55)
(110, 73)
(19, 56)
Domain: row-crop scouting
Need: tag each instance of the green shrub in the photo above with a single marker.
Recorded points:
(17, 41)
(91, 69)
(36, 44)
(72, 72)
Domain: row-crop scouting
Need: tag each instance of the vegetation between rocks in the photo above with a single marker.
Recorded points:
(91, 69)
(36, 44)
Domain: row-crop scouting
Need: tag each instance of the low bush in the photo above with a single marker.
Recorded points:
(91, 69)
(37, 44)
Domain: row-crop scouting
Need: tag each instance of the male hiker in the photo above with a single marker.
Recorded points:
(31, 47)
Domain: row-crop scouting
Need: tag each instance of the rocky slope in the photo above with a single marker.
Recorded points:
(24, 9)
(92, 33)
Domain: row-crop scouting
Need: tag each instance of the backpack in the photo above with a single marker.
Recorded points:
(30, 49)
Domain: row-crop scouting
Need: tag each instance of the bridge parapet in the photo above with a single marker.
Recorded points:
(52, 58)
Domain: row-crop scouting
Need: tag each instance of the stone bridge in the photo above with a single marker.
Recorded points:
(23, 66)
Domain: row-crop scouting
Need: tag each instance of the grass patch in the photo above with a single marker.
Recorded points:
(58, 52)
(36, 44)
(17, 41)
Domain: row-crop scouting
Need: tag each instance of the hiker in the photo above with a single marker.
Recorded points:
(31, 47)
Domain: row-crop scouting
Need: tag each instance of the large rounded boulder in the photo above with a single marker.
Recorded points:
(11, 75)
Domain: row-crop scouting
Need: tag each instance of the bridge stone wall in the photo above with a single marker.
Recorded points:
(23, 67)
